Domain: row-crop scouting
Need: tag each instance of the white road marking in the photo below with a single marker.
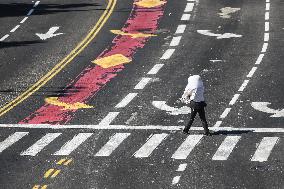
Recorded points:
(266, 37)
(226, 11)
(24, 20)
(171, 110)
(4, 37)
(225, 113)
(142, 83)
(109, 118)
(30, 12)
(267, 1)
(189, 7)
(73, 144)
(264, 149)
(151, 144)
(267, 6)
(175, 41)
(243, 86)
(15, 137)
(185, 17)
(138, 127)
(15, 28)
(126, 100)
(259, 59)
(252, 71)
(187, 146)
(266, 15)
(36, 3)
(234, 99)
(263, 107)
(175, 180)
(266, 26)
(226, 148)
(264, 47)
(167, 54)
(182, 167)
(155, 69)
(112, 144)
(49, 34)
(217, 124)
(218, 36)
(180, 29)
(40, 144)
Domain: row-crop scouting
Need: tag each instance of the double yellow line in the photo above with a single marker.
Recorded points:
(56, 69)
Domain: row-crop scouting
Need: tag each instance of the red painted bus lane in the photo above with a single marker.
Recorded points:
(140, 26)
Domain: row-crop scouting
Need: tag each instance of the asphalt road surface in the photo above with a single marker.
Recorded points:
(90, 94)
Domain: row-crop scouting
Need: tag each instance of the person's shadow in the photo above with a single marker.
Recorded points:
(230, 132)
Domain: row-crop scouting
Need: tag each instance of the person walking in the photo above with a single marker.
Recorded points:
(194, 96)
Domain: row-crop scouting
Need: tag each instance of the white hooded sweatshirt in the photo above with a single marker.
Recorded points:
(194, 90)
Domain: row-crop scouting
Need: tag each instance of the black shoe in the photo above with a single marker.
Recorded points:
(208, 133)
(185, 132)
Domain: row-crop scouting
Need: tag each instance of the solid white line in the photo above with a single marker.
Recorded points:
(4, 37)
(225, 113)
(243, 86)
(175, 41)
(187, 146)
(266, 37)
(40, 144)
(264, 47)
(126, 100)
(182, 167)
(142, 83)
(226, 148)
(30, 12)
(175, 180)
(259, 59)
(36, 4)
(267, 6)
(15, 28)
(11, 140)
(264, 149)
(266, 26)
(180, 29)
(252, 71)
(24, 19)
(217, 124)
(73, 144)
(155, 69)
(189, 7)
(234, 99)
(266, 15)
(138, 127)
(167, 54)
(109, 118)
(112, 144)
(151, 144)
(185, 17)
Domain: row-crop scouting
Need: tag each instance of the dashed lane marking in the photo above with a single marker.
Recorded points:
(180, 29)
(127, 99)
(243, 86)
(155, 69)
(51, 173)
(4, 37)
(185, 17)
(15, 28)
(264, 47)
(264, 149)
(175, 41)
(252, 71)
(142, 83)
(109, 118)
(259, 59)
(225, 113)
(167, 54)
(189, 7)
(234, 99)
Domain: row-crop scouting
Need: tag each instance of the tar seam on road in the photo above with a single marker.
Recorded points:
(57, 68)
(17, 26)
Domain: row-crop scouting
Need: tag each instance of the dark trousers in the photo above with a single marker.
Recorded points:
(201, 113)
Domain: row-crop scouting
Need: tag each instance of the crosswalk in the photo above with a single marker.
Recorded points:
(261, 153)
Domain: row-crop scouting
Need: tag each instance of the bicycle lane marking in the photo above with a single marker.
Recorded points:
(57, 68)
(144, 17)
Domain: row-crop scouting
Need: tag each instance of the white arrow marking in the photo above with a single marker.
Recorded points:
(263, 107)
(171, 110)
(51, 33)
(219, 36)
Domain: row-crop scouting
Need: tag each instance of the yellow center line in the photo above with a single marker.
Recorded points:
(48, 173)
(61, 161)
(57, 68)
(67, 162)
(55, 173)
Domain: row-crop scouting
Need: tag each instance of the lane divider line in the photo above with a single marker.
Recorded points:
(175, 41)
(142, 83)
(109, 118)
(185, 17)
(155, 69)
(167, 55)
(180, 29)
(15, 28)
(126, 100)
